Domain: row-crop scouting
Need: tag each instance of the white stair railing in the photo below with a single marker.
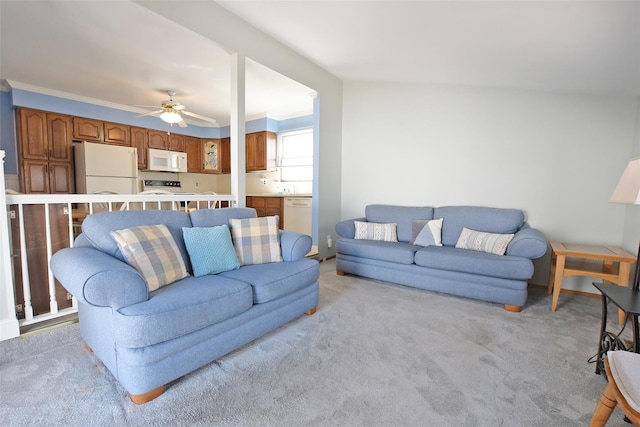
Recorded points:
(75, 207)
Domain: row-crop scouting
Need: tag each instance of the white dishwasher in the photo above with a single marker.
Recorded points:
(297, 214)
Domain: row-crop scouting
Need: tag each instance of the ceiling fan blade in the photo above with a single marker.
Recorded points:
(151, 113)
(198, 116)
(182, 124)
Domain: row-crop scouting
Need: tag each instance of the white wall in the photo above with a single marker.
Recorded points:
(557, 157)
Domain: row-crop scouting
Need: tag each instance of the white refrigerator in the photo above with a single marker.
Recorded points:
(105, 168)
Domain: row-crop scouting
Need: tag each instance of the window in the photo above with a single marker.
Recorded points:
(295, 153)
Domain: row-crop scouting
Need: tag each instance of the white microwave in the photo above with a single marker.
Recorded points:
(166, 161)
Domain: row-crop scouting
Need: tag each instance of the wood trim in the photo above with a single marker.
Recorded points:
(568, 291)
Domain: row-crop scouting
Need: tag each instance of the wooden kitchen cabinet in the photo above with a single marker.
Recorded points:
(117, 134)
(225, 155)
(46, 152)
(260, 151)
(87, 129)
(267, 206)
(44, 136)
(138, 139)
(157, 139)
(211, 156)
(193, 148)
(175, 142)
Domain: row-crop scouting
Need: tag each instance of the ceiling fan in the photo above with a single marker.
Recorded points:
(172, 111)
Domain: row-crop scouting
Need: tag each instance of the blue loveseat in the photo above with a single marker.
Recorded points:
(447, 269)
(149, 338)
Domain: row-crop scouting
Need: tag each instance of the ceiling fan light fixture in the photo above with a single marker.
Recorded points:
(171, 117)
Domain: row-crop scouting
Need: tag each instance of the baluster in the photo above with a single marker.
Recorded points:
(26, 284)
(53, 303)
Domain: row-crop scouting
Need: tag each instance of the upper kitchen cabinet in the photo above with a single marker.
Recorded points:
(260, 154)
(117, 134)
(157, 139)
(225, 155)
(87, 129)
(211, 156)
(193, 148)
(44, 136)
(139, 140)
(176, 142)
(45, 148)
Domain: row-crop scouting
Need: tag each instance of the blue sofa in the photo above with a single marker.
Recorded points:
(447, 269)
(147, 339)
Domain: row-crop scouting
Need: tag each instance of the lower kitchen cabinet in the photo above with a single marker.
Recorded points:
(268, 206)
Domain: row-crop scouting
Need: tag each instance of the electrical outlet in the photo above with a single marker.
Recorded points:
(12, 214)
(329, 241)
(18, 308)
(65, 210)
(263, 181)
(197, 184)
(69, 296)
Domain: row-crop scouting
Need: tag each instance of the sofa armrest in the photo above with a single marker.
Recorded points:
(295, 246)
(347, 228)
(528, 243)
(97, 278)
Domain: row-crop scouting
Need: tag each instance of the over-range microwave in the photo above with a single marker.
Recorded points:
(166, 161)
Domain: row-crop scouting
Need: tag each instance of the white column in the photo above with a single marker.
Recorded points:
(9, 326)
(238, 163)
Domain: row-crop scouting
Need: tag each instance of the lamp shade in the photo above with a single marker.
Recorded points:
(628, 188)
(171, 117)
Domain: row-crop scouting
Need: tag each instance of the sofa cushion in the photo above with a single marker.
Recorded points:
(272, 281)
(180, 308)
(490, 220)
(213, 217)
(492, 243)
(376, 231)
(385, 251)
(401, 215)
(152, 251)
(474, 262)
(210, 249)
(97, 228)
(426, 232)
(256, 240)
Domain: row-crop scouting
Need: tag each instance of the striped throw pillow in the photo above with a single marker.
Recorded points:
(376, 231)
(484, 242)
(256, 240)
(152, 251)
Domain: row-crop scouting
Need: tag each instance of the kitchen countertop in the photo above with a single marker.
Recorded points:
(278, 195)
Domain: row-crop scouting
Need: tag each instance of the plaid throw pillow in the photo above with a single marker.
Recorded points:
(152, 251)
(484, 242)
(256, 240)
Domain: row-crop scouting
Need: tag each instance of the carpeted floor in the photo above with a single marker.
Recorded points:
(373, 355)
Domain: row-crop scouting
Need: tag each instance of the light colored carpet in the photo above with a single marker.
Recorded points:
(374, 354)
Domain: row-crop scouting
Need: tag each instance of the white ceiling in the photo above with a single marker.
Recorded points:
(566, 46)
(119, 52)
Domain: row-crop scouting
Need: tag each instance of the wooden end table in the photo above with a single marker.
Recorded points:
(609, 263)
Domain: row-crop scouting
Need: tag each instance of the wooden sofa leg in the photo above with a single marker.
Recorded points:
(340, 273)
(310, 312)
(139, 399)
(513, 308)
(89, 349)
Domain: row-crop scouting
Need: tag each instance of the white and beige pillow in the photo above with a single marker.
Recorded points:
(376, 231)
(484, 242)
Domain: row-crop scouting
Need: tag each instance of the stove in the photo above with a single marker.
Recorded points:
(161, 185)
